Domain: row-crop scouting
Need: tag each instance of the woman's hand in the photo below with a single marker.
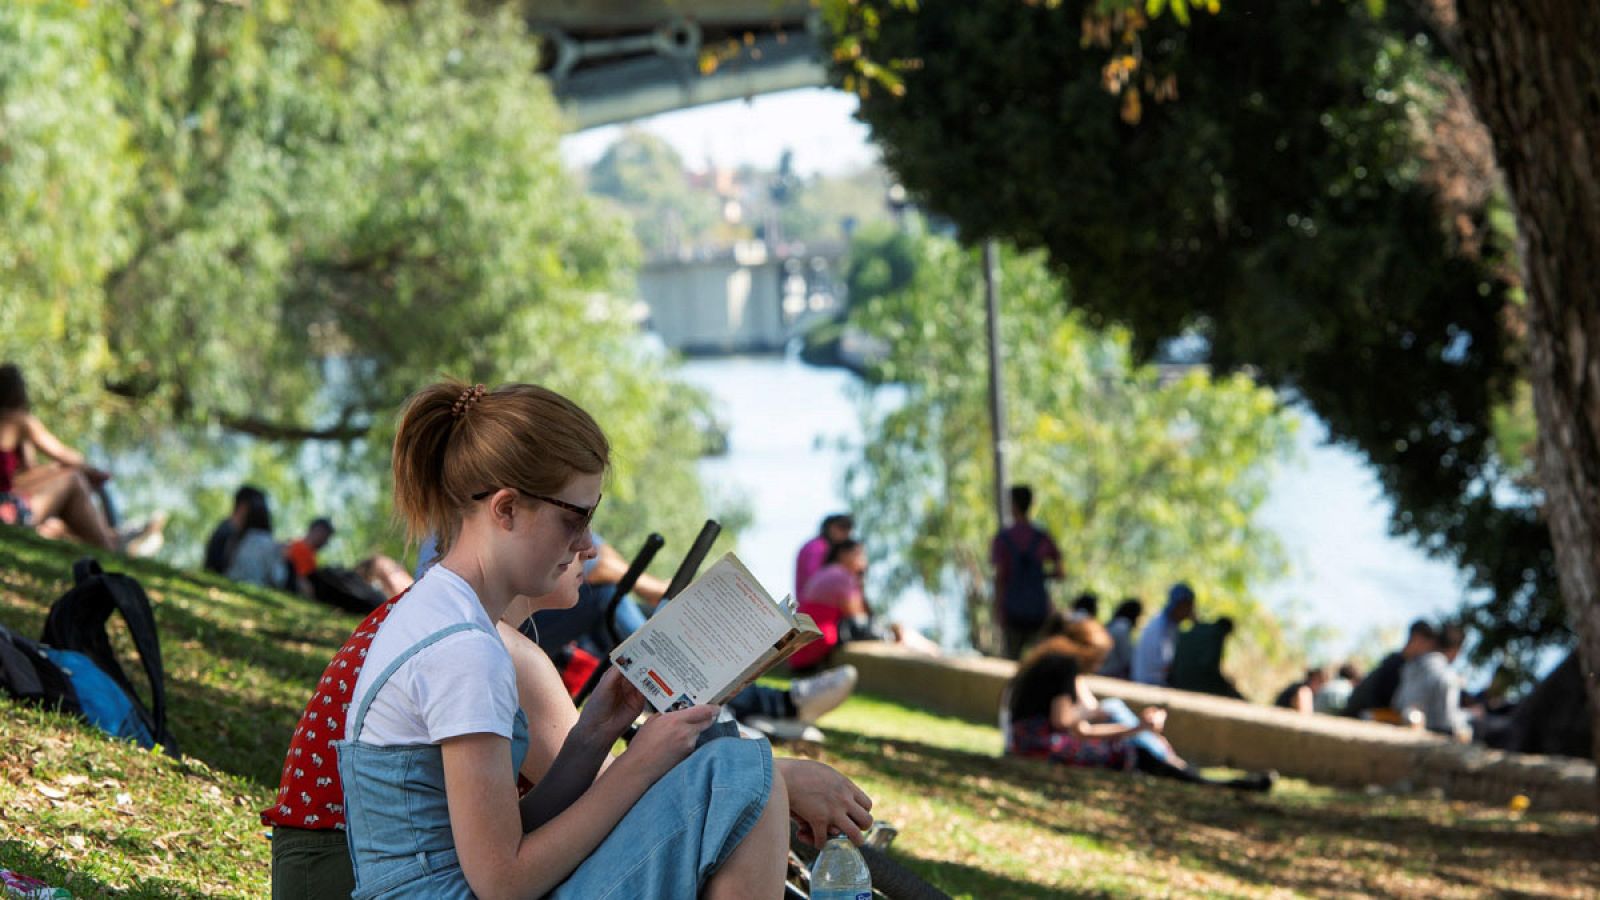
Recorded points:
(612, 707)
(1154, 718)
(823, 802)
(667, 740)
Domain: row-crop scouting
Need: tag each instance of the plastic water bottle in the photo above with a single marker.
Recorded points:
(840, 873)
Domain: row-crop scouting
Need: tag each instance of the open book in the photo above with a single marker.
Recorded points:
(714, 638)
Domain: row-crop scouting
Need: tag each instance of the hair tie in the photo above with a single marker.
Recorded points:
(465, 402)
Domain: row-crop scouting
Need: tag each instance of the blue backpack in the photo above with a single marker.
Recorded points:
(75, 670)
(101, 700)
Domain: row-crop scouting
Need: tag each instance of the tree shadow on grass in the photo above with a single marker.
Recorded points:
(28, 860)
(1336, 844)
(963, 880)
(242, 736)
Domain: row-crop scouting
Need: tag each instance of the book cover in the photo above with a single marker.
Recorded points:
(706, 644)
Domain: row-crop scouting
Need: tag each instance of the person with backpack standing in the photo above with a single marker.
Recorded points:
(1025, 556)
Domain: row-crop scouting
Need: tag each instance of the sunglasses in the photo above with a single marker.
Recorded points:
(586, 512)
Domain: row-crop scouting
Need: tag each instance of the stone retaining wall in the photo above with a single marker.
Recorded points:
(1220, 731)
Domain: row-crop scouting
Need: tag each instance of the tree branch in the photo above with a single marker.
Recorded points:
(287, 431)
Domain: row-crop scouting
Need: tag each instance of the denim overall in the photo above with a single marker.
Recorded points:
(399, 824)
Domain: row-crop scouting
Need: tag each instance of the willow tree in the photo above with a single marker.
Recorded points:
(240, 234)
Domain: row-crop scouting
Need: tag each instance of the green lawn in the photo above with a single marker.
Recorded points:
(104, 819)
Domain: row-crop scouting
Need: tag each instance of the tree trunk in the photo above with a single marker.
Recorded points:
(1533, 68)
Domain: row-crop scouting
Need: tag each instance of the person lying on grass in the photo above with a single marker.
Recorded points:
(1054, 716)
(567, 750)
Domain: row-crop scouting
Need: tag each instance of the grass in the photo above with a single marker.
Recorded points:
(104, 819)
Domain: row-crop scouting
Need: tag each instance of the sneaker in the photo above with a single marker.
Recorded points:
(783, 730)
(819, 695)
(144, 540)
(1258, 782)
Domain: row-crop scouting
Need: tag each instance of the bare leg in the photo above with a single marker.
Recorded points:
(912, 640)
(57, 491)
(392, 578)
(757, 866)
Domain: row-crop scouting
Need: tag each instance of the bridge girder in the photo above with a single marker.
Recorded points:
(617, 60)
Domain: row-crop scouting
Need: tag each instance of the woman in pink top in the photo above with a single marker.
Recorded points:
(814, 553)
(46, 496)
(835, 599)
(838, 582)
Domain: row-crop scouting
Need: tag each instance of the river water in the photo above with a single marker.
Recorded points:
(792, 427)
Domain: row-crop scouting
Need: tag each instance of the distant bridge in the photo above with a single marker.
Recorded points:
(613, 61)
(747, 298)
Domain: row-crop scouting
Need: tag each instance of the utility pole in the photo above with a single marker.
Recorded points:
(997, 409)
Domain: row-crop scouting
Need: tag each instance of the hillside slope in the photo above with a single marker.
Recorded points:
(103, 818)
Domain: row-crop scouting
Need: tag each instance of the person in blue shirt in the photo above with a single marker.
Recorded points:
(1152, 659)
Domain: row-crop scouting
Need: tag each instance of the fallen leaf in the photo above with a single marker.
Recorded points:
(124, 798)
(51, 792)
(74, 780)
(76, 841)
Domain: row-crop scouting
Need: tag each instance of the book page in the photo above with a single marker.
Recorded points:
(705, 640)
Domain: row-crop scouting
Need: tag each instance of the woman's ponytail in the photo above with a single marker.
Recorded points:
(421, 498)
(456, 439)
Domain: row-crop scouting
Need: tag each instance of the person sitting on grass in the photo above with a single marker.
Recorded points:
(56, 500)
(1302, 695)
(253, 555)
(1429, 694)
(1054, 716)
(813, 554)
(1119, 662)
(1373, 698)
(301, 555)
(1334, 695)
(224, 536)
(1153, 655)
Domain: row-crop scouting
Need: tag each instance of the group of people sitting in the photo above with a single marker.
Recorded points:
(1026, 559)
(1418, 685)
(441, 755)
(1164, 653)
(242, 547)
(1322, 690)
(830, 587)
(1415, 685)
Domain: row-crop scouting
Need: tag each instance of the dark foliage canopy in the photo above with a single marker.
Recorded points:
(1314, 198)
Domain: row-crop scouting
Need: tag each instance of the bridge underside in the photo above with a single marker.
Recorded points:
(614, 61)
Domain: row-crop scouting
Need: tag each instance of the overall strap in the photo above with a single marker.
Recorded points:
(383, 677)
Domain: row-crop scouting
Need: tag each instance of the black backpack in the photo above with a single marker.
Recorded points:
(77, 622)
(27, 674)
(346, 589)
(1027, 599)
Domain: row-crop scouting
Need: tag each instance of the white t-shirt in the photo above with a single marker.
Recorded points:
(462, 684)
